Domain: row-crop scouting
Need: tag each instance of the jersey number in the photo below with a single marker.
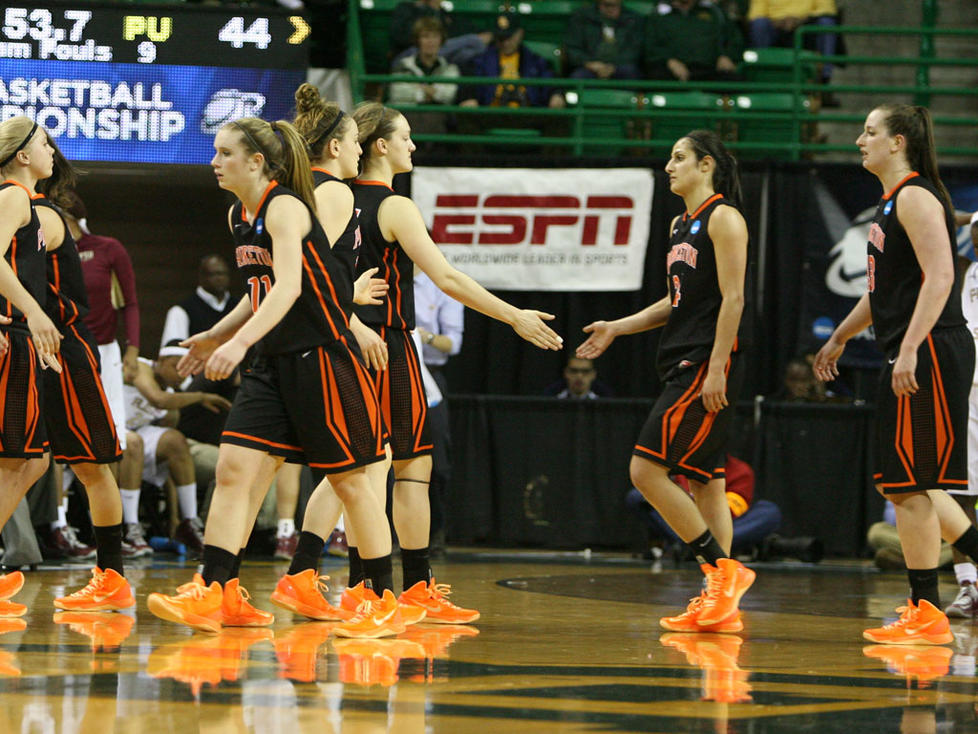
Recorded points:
(676, 293)
(255, 287)
(871, 274)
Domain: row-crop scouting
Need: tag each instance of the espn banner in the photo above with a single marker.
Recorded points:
(522, 229)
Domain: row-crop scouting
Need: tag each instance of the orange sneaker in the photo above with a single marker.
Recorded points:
(237, 611)
(688, 620)
(304, 593)
(297, 650)
(10, 584)
(106, 630)
(369, 662)
(922, 624)
(195, 605)
(374, 619)
(923, 662)
(354, 596)
(12, 625)
(437, 640)
(106, 591)
(432, 598)
(725, 585)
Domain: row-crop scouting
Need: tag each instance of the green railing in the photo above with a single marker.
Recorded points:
(794, 124)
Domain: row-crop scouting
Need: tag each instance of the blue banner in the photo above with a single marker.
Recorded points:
(141, 113)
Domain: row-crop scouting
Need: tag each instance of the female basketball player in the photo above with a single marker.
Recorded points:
(76, 412)
(307, 398)
(335, 153)
(27, 332)
(914, 306)
(701, 366)
(394, 239)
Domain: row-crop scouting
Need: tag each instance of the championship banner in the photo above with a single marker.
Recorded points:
(522, 229)
(140, 113)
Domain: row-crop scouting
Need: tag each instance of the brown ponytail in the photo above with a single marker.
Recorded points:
(284, 151)
(317, 120)
(915, 125)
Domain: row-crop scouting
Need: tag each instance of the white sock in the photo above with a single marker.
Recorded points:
(966, 573)
(187, 497)
(130, 505)
(286, 527)
(62, 520)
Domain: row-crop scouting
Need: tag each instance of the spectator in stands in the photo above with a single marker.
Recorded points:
(111, 287)
(692, 40)
(198, 312)
(508, 58)
(460, 46)
(429, 35)
(753, 521)
(773, 23)
(604, 41)
(579, 382)
(166, 452)
(884, 541)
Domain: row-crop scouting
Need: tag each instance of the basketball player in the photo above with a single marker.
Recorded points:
(914, 306)
(395, 239)
(700, 362)
(28, 334)
(335, 152)
(307, 398)
(76, 412)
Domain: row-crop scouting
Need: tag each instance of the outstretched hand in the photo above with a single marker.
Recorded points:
(199, 348)
(602, 334)
(368, 290)
(530, 325)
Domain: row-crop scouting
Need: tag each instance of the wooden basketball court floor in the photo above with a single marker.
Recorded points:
(564, 645)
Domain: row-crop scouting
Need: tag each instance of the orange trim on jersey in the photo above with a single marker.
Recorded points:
(396, 285)
(33, 400)
(903, 180)
(18, 183)
(701, 207)
(942, 417)
(4, 380)
(387, 277)
(706, 427)
(74, 416)
(319, 296)
(261, 201)
(419, 402)
(903, 440)
(365, 182)
(333, 414)
(94, 367)
(266, 442)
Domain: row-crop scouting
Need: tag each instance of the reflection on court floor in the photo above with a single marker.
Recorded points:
(561, 646)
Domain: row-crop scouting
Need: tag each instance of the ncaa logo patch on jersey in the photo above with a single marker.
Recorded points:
(40, 240)
(259, 226)
(888, 208)
(695, 228)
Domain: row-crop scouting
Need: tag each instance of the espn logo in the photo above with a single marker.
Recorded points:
(515, 219)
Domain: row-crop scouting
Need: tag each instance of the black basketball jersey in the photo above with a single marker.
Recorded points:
(694, 290)
(394, 264)
(893, 273)
(316, 318)
(347, 247)
(67, 299)
(26, 258)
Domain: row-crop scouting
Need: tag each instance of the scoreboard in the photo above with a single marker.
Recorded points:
(147, 83)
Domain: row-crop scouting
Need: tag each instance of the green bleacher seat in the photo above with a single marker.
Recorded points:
(602, 127)
(667, 127)
(776, 64)
(776, 124)
(552, 52)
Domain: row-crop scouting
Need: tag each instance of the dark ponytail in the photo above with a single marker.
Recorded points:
(59, 187)
(917, 128)
(726, 179)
